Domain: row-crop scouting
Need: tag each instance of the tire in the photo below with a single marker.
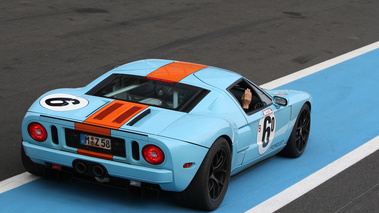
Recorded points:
(208, 188)
(299, 136)
(30, 166)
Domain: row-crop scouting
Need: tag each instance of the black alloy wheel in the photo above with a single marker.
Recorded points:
(217, 174)
(302, 130)
(299, 136)
(208, 188)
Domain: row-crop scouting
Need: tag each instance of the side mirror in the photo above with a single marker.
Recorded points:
(279, 101)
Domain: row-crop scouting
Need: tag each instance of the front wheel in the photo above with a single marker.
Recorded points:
(299, 136)
(208, 188)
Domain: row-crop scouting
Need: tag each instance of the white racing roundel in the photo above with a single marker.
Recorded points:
(266, 130)
(63, 102)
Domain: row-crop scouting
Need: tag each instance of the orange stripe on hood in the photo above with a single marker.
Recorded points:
(175, 71)
(115, 114)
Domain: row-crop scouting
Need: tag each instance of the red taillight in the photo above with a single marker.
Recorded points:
(37, 132)
(153, 154)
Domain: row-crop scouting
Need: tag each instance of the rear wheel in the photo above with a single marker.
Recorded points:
(208, 188)
(30, 166)
(299, 137)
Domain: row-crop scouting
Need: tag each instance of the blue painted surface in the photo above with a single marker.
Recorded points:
(344, 116)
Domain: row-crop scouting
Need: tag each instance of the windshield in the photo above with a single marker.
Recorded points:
(151, 92)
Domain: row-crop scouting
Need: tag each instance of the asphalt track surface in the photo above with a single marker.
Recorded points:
(47, 45)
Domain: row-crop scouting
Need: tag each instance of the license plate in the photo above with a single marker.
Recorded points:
(95, 141)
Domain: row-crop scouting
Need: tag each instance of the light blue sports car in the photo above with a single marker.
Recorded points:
(179, 126)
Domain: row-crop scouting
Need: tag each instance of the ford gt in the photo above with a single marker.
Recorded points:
(179, 126)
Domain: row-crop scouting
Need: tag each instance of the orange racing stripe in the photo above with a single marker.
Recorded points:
(94, 154)
(92, 129)
(115, 114)
(175, 71)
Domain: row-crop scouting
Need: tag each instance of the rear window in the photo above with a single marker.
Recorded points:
(175, 96)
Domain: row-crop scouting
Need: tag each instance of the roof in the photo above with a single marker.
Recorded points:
(178, 71)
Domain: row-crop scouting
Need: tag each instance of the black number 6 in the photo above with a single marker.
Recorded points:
(268, 127)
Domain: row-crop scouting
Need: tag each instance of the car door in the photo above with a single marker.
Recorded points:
(264, 132)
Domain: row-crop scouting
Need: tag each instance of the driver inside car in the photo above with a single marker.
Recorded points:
(246, 99)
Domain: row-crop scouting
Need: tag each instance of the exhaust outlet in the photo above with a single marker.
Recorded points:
(99, 170)
(80, 167)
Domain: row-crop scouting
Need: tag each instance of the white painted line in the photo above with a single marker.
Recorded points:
(295, 191)
(16, 181)
(321, 66)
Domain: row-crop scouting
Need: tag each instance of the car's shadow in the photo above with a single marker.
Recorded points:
(65, 194)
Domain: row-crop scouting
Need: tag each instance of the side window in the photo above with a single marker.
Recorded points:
(258, 101)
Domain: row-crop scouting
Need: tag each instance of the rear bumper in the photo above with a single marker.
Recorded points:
(43, 155)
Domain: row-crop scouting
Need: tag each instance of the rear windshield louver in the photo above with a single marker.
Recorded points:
(115, 114)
